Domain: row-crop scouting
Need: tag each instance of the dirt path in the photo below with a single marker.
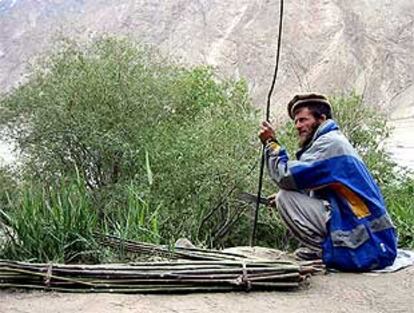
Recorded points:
(337, 292)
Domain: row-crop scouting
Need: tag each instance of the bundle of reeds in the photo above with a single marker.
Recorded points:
(143, 248)
(167, 251)
(147, 277)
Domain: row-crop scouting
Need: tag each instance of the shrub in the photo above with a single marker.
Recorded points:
(137, 125)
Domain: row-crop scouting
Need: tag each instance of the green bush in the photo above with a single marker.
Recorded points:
(135, 124)
(399, 198)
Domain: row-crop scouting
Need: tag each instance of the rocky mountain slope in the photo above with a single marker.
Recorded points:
(331, 46)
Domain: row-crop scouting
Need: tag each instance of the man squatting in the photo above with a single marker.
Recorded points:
(328, 199)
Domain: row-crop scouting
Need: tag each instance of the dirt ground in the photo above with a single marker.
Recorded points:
(334, 292)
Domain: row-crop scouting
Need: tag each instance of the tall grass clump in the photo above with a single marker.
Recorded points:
(136, 220)
(399, 198)
(51, 224)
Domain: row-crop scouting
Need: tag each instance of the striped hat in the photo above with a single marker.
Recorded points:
(305, 98)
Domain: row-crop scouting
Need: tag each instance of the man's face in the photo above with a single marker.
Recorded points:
(306, 124)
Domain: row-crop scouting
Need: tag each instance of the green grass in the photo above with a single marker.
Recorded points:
(52, 224)
(399, 198)
(136, 221)
(58, 224)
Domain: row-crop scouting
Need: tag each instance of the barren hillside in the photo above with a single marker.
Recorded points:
(330, 46)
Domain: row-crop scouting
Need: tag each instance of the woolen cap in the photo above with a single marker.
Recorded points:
(304, 98)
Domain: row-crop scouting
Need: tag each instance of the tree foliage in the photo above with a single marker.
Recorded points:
(131, 121)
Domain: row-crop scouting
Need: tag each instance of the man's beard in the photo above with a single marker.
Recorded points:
(309, 137)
